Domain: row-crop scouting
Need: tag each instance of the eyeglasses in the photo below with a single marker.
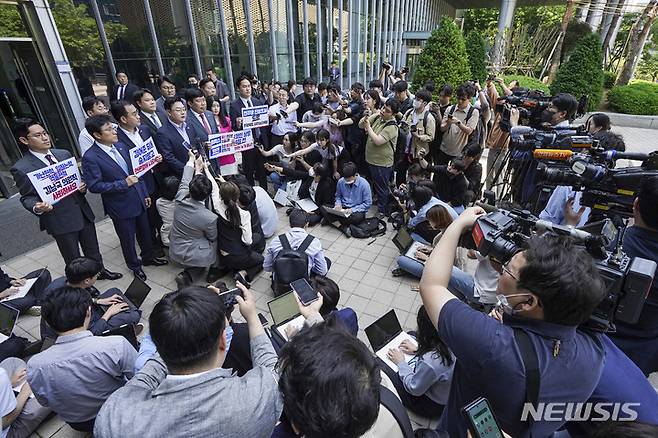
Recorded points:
(112, 129)
(178, 110)
(506, 270)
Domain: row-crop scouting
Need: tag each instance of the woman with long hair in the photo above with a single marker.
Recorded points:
(327, 150)
(227, 163)
(281, 151)
(423, 383)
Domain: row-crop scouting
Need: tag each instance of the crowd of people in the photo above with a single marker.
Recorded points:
(363, 156)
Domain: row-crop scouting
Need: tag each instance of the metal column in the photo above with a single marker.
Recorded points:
(250, 37)
(394, 36)
(154, 37)
(307, 50)
(504, 22)
(318, 34)
(350, 8)
(364, 72)
(275, 64)
(405, 14)
(291, 42)
(340, 43)
(380, 9)
(106, 44)
(387, 30)
(226, 48)
(371, 71)
(330, 32)
(357, 30)
(195, 46)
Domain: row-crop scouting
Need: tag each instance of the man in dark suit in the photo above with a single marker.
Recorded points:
(132, 134)
(198, 116)
(148, 114)
(124, 89)
(252, 160)
(108, 171)
(71, 220)
(175, 138)
(167, 89)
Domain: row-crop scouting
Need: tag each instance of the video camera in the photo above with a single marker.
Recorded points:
(531, 104)
(501, 234)
(526, 138)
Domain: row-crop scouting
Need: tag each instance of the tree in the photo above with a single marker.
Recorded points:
(11, 24)
(582, 73)
(557, 50)
(648, 67)
(476, 51)
(79, 33)
(443, 59)
(639, 34)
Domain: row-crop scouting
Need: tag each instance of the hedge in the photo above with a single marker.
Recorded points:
(609, 79)
(639, 97)
(527, 82)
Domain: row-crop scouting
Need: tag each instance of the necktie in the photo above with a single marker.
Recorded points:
(119, 159)
(156, 121)
(50, 159)
(205, 124)
(121, 91)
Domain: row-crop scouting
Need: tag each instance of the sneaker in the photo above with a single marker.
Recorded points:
(324, 222)
(381, 216)
(398, 272)
(346, 231)
(34, 311)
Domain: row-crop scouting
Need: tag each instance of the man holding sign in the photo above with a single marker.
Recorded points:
(108, 171)
(70, 220)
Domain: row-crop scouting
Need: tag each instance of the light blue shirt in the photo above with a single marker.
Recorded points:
(316, 261)
(554, 211)
(116, 156)
(147, 350)
(182, 131)
(355, 196)
(422, 213)
(427, 375)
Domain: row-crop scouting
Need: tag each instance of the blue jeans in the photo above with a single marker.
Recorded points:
(462, 285)
(380, 178)
(278, 181)
(413, 267)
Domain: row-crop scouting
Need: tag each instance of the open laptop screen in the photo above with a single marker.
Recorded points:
(137, 292)
(283, 308)
(403, 240)
(380, 332)
(8, 318)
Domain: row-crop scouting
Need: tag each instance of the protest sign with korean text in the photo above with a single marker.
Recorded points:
(57, 181)
(242, 140)
(255, 117)
(220, 145)
(144, 157)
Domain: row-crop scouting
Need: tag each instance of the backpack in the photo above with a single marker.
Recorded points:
(437, 125)
(400, 142)
(370, 227)
(290, 264)
(478, 134)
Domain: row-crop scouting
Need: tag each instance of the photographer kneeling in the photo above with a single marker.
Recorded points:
(546, 291)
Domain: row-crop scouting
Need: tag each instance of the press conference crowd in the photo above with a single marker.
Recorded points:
(369, 158)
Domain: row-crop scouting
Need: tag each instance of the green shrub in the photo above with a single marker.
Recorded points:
(526, 82)
(582, 73)
(476, 51)
(639, 97)
(443, 59)
(609, 79)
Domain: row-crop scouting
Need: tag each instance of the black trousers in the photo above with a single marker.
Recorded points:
(353, 219)
(127, 229)
(14, 346)
(69, 243)
(443, 158)
(35, 294)
(252, 165)
(250, 261)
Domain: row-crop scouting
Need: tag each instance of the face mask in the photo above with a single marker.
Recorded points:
(417, 104)
(349, 183)
(229, 337)
(504, 305)
(547, 116)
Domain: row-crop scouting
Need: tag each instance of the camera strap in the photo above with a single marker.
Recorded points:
(393, 404)
(531, 365)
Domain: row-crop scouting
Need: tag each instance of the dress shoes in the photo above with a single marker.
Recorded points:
(156, 261)
(109, 275)
(140, 274)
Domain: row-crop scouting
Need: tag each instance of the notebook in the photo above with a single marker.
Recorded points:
(8, 318)
(22, 291)
(406, 244)
(333, 211)
(281, 198)
(307, 205)
(386, 333)
(285, 312)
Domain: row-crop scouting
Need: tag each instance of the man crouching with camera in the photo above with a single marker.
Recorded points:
(545, 292)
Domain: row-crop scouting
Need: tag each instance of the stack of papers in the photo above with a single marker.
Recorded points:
(22, 291)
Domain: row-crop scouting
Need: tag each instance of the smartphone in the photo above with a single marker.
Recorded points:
(304, 291)
(229, 297)
(481, 420)
(263, 320)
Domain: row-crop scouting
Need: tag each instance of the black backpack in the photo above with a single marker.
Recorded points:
(290, 264)
(371, 227)
(478, 134)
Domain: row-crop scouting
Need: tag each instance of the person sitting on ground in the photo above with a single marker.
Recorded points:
(330, 292)
(9, 287)
(269, 218)
(190, 330)
(353, 198)
(281, 151)
(312, 116)
(109, 310)
(318, 264)
(327, 150)
(424, 383)
(450, 182)
(166, 204)
(193, 235)
(77, 374)
(247, 201)
(21, 412)
(438, 218)
(472, 171)
(424, 199)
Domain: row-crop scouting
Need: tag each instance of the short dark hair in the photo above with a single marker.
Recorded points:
(565, 102)
(308, 136)
(472, 150)
(421, 195)
(186, 326)
(317, 108)
(415, 170)
(458, 163)
(95, 124)
(358, 86)
(66, 308)
(139, 94)
(81, 268)
(427, 183)
(400, 86)
(446, 90)
(648, 199)
(193, 93)
(625, 429)
(375, 83)
(600, 119)
(322, 86)
(204, 81)
(169, 187)
(22, 126)
(298, 218)
(322, 134)
(349, 169)
(424, 95)
(609, 141)
(325, 362)
(242, 77)
(247, 194)
(330, 293)
(170, 101)
(464, 90)
(210, 68)
(89, 102)
(430, 86)
(564, 277)
(116, 75)
(164, 79)
(200, 187)
(376, 97)
(118, 109)
(393, 104)
(309, 81)
(192, 75)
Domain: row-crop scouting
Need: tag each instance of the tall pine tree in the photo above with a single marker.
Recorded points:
(443, 59)
(476, 52)
(582, 74)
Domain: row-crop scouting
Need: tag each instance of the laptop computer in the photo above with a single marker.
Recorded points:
(8, 318)
(137, 292)
(406, 244)
(386, 333)
(285, 313)
(127, 331)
